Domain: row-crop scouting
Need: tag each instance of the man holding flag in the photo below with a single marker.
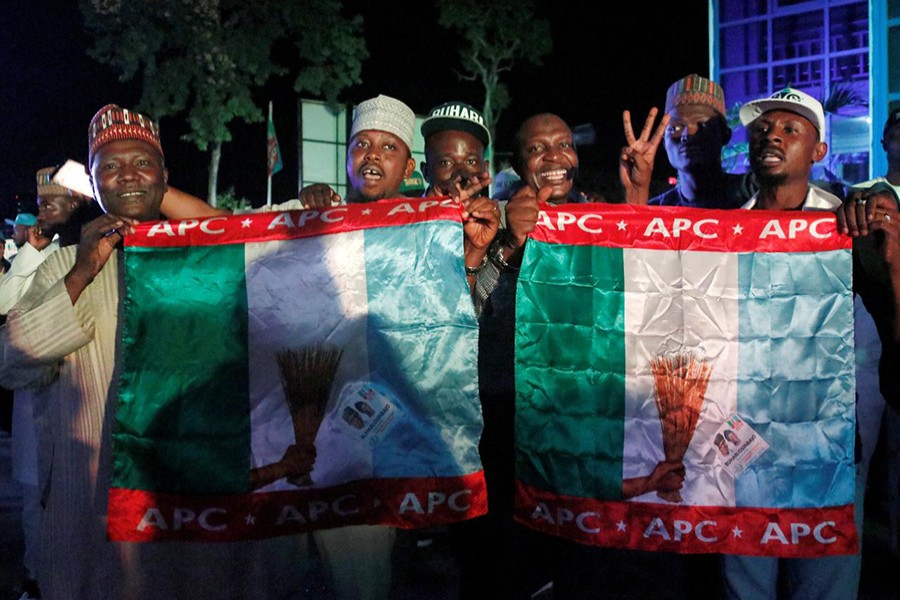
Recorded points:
(379, 157)
(64, 334)
(787, 137)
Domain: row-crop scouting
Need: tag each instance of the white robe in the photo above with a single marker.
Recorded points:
(45, 331)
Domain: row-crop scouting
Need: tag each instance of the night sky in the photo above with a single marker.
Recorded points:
(600, 65)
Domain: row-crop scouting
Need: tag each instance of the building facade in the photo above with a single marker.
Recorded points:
(835, 50)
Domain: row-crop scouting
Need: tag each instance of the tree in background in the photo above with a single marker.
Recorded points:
(208, 57)
(495, 35)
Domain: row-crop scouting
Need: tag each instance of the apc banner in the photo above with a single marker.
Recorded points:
(685, 380)
(288, 371)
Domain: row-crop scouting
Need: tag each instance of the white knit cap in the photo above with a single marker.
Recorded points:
(384, 113)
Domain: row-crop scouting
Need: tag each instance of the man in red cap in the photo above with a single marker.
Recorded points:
(63, 334)
(694, 130)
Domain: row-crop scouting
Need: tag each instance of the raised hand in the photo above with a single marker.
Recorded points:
(637, 158)
(481, 221)
(37, 238)
(319, 195)
(522, 213)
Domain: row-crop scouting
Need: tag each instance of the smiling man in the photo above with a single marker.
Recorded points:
(544, 156)
(62, 337)
(69, 318)
(545, 159)
(506, 556)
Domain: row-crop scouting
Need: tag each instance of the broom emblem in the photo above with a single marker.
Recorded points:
(307, 374)
(681, 382)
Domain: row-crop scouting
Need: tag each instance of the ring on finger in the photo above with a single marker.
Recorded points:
(887, 218)
(861, 201)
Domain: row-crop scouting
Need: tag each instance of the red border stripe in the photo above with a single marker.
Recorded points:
(781, 532)
(286, 225)
(676, 228)
(405, 503)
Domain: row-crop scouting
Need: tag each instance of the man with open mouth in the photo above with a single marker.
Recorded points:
(787, 137)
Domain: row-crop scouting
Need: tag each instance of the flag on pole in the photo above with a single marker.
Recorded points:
(685, 381)
(248, 338)
(274, 152)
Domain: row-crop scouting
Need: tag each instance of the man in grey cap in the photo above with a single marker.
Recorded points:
(379, 158)
(379, 155)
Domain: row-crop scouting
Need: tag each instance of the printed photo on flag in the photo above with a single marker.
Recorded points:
(685, 381)
(288, 371)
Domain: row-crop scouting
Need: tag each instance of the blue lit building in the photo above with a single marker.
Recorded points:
(836, 50)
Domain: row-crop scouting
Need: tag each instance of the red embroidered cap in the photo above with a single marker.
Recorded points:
(112, 123)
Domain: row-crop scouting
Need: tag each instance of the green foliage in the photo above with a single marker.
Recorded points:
(332, 47)
(735, 157)
(208, 57)
(495, 35)
(231, 201)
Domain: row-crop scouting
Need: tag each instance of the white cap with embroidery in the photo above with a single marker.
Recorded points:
(790, 100)
(384, 113)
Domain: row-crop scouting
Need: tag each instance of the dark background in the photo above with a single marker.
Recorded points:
(603, 61)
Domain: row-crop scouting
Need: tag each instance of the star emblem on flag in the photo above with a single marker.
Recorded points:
(738, 230)
(620, 526)
(250, 520)
(737, 532)
(246, 223)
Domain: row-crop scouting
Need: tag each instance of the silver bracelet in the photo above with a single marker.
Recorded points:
(496, 253)
(475, 270)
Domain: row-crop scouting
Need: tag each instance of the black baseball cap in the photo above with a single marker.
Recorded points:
(456, 116)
